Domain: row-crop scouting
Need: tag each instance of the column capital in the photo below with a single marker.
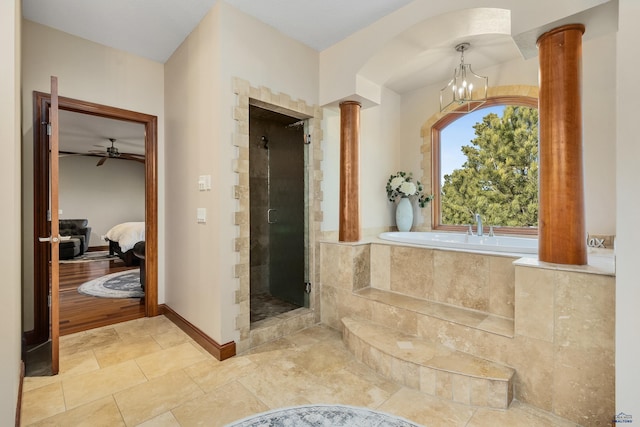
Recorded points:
(350, 103)
(568, 27)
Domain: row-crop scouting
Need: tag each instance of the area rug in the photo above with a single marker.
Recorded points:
(91, 257)
(325, 416)
(123, 284)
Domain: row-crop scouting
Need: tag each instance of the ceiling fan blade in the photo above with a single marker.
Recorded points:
(69, 154)
(134, 157)
(101, 161)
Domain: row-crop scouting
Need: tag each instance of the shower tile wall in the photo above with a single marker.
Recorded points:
(259, 203)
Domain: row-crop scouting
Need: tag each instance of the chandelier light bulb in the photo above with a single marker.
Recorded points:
(462, 85)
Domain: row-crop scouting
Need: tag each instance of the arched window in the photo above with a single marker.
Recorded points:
(486, 162)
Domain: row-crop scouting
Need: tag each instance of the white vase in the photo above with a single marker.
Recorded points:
(404, 214)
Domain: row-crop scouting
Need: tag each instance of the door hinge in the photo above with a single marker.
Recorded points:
(307, 287)
(49, 300)
(308, 139)
(48, 129)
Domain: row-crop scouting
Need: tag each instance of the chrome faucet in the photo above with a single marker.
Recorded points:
(479, 224)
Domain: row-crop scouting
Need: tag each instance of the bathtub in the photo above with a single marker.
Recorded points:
(515, 245)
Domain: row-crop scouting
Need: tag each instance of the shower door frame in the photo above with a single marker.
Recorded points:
(246, 94)
(286, 229)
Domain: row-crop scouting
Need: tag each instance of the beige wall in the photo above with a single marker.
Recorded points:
(90, 72)
(599, 133)
(199, 111)
(391, 140)
(199, 258)
(628, 212)
(382, 153)
(10, 324)
(105, 195)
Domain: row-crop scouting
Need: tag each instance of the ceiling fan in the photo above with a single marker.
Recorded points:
(113, 153)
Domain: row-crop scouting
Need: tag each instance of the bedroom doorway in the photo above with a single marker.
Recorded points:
(278, 212)
(41, 186)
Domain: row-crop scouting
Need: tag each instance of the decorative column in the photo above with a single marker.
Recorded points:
(562, 236)
(349, 228)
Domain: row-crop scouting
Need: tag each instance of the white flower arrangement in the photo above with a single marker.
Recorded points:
(401, 185)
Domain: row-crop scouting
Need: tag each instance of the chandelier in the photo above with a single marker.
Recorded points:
(466, 91)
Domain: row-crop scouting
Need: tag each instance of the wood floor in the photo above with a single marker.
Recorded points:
(81, 312)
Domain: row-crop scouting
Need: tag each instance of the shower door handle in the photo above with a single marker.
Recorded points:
(269, 220)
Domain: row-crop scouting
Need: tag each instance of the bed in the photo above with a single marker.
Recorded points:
(122, 238)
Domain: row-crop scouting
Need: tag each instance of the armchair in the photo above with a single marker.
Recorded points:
(76, 229)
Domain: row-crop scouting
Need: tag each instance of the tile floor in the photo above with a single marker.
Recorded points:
(147, 372)
(264, 306)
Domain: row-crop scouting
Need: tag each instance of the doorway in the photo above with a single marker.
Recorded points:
(42, 102)
(277, 194)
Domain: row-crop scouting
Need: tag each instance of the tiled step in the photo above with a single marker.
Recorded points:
(429, 367)
(463, 316)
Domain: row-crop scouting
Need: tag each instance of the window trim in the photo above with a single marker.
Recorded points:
(436, 128)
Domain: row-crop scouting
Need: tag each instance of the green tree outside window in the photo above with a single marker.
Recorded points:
(499, 178)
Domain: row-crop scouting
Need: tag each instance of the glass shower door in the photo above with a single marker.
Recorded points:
(286, 215)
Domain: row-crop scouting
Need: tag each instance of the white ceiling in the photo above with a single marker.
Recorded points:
(155, 28)
(82, 133)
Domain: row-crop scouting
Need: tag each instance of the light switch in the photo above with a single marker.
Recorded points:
(204, 182)
(202, 215)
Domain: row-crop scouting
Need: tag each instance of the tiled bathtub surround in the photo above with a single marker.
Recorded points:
(553, 325)
(428, 366)
(468, 280)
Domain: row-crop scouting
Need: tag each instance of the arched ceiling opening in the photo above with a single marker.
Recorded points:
(425, 53)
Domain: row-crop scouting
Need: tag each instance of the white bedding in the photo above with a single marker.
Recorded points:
(126, 234)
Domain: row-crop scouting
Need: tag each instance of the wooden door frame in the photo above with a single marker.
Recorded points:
(41, 103)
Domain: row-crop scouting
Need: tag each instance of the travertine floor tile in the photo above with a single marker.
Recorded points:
(145, 326)
(88, 340)
(212, 374)
(518, 415)
(171, 338)
(78, 363)
(81, 389)
(41, 403)
(126, 349)
(274, 350)
(147, 400)
(278, 387)
(321, 358)
(188, 387)
(174, 358)
(428, 410)
(100, 413)
(313, 335)
(32, 383)
(220, 407)
(348, 388)
(70, 365)
(163, 420)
